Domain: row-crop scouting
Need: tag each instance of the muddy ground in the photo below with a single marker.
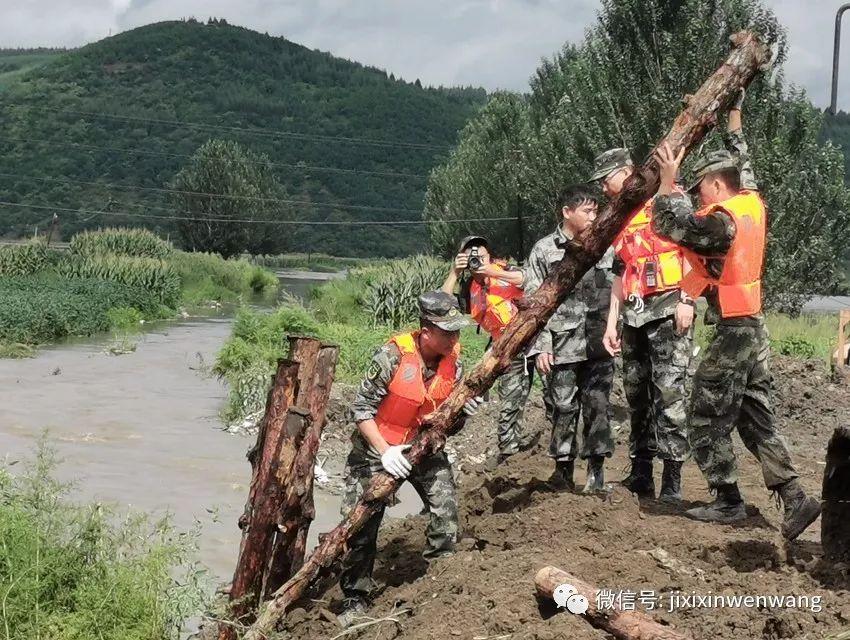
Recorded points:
(511, 528)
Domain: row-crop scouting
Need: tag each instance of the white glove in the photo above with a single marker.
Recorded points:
(471, 406)
(395, 463)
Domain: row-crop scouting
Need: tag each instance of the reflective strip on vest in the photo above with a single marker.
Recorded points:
(739, 285)
(652, 264)
(407, 402)
(491, 305)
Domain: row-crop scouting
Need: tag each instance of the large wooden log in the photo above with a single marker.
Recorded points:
(297, 509)
(700, 114)
(624, 625)
(835, 518)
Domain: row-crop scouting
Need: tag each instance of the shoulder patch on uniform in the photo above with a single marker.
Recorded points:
(374, 371)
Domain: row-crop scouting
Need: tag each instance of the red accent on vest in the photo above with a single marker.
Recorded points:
(408, 401)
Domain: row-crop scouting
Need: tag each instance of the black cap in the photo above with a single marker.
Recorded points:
(468, 240)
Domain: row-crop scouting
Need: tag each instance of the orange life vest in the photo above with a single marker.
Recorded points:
(739, 285)
(408, 401)
(653, 264)
(491, 304)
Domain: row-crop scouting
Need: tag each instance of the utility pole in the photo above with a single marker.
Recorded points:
(835, 54)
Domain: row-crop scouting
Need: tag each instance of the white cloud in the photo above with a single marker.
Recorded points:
(490, 43)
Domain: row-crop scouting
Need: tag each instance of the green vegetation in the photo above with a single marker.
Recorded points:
(306, 262)
(14, 63)
(109, 280)
(74, 572)
(246, 185)
(622, 86)
(810, 336)
(307, 106)
(338, 312)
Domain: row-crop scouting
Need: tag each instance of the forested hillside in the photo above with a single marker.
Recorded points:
(105, 129)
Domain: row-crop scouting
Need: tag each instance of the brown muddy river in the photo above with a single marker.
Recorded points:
(141, 430)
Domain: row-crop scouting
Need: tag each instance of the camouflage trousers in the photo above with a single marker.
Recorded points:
(579, 389)
(514, 387)
(732, 388)
(434, 482)
(655, 374)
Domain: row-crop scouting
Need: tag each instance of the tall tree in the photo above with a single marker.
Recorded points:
(223, 185)
(622, 84)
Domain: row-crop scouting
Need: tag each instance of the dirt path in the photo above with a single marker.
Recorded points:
(486, 589)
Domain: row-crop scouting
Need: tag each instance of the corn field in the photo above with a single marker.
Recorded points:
(139, 243)
(393, 288)
(25, 259)
(150, 274)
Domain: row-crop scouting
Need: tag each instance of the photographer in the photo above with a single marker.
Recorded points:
(487, 293)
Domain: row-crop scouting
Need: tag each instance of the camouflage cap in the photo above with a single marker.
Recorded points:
(711, 162)
(443, 310)
(468, 240)
(608, 162)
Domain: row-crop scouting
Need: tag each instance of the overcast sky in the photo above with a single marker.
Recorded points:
(490, 43)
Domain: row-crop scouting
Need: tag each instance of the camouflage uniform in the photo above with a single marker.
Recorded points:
(655, 358)
(583, 372)
(433, 479)
(732, 385)
(514, 388)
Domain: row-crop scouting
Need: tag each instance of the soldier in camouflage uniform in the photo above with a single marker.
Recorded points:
(433, 354)
(725, 242)
(656, 342)
(497, 283)
(578, 372)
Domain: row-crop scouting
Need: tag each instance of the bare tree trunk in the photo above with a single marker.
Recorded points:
(297, 510)
(689, 128)
(275, 448)
(624, 625)
(835, 519)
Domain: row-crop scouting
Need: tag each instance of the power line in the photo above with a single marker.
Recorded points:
(299, 166)
(249, 220)
(253, 130)
(223, 196)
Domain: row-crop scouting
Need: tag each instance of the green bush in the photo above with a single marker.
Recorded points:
(208, 276)
(26, 259)
(43, 308)
(797, 346)
(75, 572)
(153, 275)
(124, 319)
(319, 262)
(138, 243)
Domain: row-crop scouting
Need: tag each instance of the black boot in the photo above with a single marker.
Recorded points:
(640, 480)
(671, 482)
(800, 510)
(595, 475)
(562, 477)
(727, 507)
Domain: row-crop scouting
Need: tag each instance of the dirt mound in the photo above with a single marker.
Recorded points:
(512, 526)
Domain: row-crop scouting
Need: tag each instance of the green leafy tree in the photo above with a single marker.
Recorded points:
(623, 86)
(221, 186)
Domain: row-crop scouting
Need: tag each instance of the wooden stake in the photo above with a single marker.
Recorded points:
(624, 625)
(689, 128)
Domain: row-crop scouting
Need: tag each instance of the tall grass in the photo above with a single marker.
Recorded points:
(208, 277)
(80, 572)
(26, 259)
(153, 275)
(139, 243)
(44, 308)
(306, 261)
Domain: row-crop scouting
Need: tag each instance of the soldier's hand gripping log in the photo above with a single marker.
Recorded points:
(716, 94)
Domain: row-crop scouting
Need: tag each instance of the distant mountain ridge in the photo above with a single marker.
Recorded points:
(351, 142)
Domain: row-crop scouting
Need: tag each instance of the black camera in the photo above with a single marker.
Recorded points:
(475, 262)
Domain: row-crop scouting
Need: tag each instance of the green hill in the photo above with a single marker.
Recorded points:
(126, 112)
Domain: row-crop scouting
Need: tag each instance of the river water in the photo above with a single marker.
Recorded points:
(141, 430)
